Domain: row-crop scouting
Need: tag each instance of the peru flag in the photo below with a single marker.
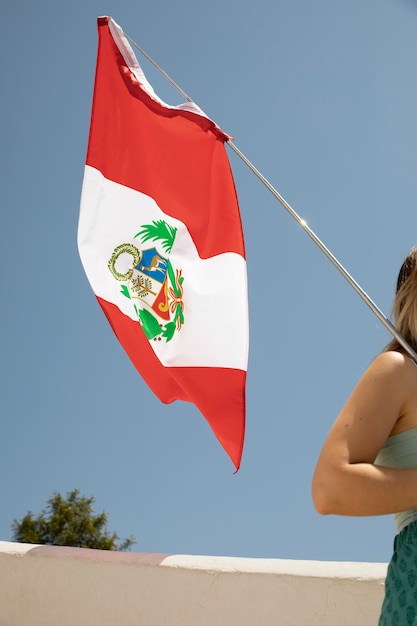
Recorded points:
(160, 239)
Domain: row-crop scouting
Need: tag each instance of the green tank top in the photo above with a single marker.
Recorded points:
(400, 450)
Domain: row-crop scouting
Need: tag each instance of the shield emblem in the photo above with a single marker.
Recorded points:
(149, 281)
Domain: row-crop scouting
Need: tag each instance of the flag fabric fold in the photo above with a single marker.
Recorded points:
(161, 242)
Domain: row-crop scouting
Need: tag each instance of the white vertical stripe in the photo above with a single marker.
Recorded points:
(215, 331)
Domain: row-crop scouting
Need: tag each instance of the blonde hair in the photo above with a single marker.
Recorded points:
(404, 308)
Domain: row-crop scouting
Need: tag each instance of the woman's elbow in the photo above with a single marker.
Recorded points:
(325, 498)
(321, 504)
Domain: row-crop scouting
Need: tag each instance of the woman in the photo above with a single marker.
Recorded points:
(368, 464)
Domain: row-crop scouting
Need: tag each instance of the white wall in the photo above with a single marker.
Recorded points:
(58, 586)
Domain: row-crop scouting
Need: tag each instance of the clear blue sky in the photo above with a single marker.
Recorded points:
(322, 97)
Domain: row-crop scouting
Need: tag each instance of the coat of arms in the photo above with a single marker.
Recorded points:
(150, 280)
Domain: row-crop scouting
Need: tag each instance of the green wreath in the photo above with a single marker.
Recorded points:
(124, 248)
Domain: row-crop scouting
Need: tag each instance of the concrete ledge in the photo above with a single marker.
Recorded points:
(59, 586)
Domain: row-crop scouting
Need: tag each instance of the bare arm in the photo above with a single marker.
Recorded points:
(346, 481)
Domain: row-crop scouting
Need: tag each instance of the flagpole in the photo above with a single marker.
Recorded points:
(380, 315)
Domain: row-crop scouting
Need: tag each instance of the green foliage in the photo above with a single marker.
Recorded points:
(69, 521)
(159, 230)
(125, 291)
(149, 323)
(169, 330)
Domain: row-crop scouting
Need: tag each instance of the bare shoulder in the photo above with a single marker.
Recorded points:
(389, 381)
(396, 376)
(393, 364)
(392, 378)
(383, 401)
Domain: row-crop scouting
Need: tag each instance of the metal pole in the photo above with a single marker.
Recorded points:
(380, 315)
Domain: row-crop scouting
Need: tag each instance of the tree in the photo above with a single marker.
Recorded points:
(69, 521)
